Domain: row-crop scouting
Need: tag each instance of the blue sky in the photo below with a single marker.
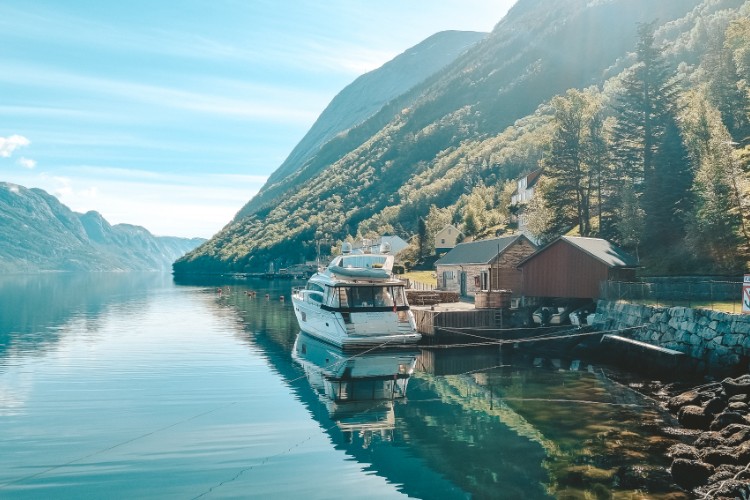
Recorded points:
(171, 115)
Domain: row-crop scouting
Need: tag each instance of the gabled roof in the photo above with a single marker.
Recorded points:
(479, 252)
(450, 226)
(531, 179)
(602, 250)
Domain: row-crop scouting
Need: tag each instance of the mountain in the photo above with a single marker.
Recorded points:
(366, 96)
(476, 122)
(42, 234)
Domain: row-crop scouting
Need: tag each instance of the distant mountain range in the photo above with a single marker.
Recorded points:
(383, 155)
(41, 234)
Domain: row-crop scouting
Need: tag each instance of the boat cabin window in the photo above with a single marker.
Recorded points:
(368, 296)
(316, 287)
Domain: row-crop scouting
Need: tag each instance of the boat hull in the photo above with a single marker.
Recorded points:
(360, 330)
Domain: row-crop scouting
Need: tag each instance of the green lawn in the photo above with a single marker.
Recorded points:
(727, 307)
(426, 277)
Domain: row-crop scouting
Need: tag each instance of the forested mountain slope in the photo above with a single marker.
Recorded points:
(366, 96)
(42, 234)
(443, 150)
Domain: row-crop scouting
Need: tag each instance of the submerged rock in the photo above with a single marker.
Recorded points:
(691, 473)
(717, 465)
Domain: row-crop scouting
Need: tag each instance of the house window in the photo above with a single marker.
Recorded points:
(485, 280)
(442, 241)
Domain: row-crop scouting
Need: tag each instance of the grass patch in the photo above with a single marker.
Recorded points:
(727, 307)
(426, 277)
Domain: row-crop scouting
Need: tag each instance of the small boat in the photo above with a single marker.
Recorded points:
(356, 303)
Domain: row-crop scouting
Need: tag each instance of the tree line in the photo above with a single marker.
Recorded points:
(657, 162)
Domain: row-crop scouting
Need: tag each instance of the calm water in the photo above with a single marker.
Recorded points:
(132, 386)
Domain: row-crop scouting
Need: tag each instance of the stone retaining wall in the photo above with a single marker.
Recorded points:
(713, 341)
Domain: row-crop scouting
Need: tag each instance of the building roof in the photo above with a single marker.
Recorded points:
(478, 252)
(602, 250)
(531, 179)
(450, 226)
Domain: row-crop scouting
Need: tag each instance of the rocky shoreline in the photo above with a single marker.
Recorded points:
(714, 461)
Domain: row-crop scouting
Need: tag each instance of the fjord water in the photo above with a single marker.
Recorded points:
(133, 386)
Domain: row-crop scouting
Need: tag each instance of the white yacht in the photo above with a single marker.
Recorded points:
(356, 303)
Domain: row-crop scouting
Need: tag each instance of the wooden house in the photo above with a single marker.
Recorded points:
(446, 238)
(574, 267)
(484, 265)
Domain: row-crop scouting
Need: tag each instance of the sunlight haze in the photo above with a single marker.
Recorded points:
(172, 116)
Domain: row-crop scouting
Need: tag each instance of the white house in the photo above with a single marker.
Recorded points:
(522, 195)
(446, 238)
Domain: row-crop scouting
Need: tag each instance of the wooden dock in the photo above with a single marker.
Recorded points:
(461, 324)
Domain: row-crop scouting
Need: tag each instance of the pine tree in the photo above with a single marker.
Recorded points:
(577, 155)
(645, 115)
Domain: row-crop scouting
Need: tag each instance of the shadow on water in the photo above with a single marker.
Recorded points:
(481, 422)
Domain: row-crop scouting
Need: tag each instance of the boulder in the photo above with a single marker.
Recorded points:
(710, 439)
(739, 385)
(731, 488)
(719, 455)
(742, 453)
(736, 434)
(681, 450)
(738, 398)
(714, 405)
(693, 417)
(724, 472)
(738, 407)
(726, 418)
(686, 398)
(691, 473)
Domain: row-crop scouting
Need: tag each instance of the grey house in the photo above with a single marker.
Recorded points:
(484, 265)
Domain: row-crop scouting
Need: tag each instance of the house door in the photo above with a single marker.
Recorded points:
(463, 282)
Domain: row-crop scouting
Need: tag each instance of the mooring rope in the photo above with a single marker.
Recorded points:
(540, 338)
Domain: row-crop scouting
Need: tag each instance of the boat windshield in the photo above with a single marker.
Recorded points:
(368, 296)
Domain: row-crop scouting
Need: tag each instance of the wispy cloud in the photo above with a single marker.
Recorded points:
(265, 103)
(9, 144)
(27, 162)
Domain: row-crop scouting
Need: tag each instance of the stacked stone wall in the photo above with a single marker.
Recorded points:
(713, 340)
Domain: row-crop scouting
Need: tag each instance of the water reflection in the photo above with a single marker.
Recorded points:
(358, 390)
(35, 308)
(133, 354)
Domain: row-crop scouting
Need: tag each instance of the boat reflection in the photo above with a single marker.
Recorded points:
(358, 389)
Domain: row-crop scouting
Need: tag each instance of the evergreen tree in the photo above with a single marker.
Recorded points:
(470, 223)
(717, 221)
(667, 198)
(725, 86)
(645, 114)
(576, 158)
(422, 237)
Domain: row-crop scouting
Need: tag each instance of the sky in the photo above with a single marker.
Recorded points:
(171, 115)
